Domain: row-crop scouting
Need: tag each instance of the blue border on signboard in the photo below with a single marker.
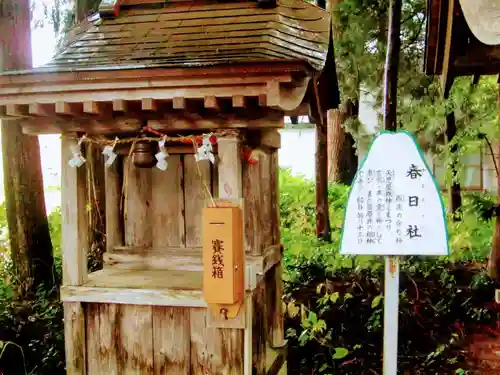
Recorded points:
(436, 185)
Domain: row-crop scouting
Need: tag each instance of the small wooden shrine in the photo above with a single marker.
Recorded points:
(186, 99)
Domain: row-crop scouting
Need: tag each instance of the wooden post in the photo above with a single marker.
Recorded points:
(253, 215)
(230, 186)
(323, 230)
(75, 245)
(75, 240)
(278, 321)
(114, 217)
(229, 168)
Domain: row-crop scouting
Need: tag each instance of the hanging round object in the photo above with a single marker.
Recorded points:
(144, 154)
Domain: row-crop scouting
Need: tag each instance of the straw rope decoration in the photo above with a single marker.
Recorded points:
(194, 140)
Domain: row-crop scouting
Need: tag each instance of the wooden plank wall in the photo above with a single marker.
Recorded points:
(163, 208)
(168, 204)
(130, 339)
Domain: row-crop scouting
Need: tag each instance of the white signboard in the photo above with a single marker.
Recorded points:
(394, 207)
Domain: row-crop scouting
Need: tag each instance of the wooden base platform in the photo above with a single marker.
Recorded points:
(139, 287)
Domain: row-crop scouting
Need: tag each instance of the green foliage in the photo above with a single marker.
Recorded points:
(360, 49)
(360, 56)
(55, 227)
(475, 115)
(334, 303)
(31, 330)
(470, 238)
(35, 326)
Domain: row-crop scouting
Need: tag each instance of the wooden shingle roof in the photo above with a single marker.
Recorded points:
(194, 34)
(229, 64)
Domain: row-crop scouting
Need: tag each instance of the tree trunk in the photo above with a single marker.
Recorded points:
(494, 261)
(323, 231)
(392, 66)
(342, 158)
(455, 197)
(31, 248)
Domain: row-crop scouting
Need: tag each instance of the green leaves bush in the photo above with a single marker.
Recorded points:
(31, 330)
(334, 303)
(36, 327)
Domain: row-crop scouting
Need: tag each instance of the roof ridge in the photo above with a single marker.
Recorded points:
(111, 8)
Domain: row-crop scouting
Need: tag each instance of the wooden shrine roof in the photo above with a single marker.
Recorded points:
(451, 49)
(156, 61)
(197, 34)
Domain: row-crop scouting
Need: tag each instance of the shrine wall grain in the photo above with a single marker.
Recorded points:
(168, 204)
(161, 210)
(132, 339)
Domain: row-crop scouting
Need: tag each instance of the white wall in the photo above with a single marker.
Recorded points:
(297, 151)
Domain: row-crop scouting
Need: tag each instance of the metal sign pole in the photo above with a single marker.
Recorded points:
(391, 292)
(391, 312)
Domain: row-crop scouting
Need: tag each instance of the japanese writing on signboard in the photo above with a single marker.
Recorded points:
(217, 259)
(394, 206)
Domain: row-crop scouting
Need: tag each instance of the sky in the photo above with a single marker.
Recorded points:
(43, 43)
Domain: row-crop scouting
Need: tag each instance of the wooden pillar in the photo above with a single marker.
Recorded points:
(230, 183)
(252, 194)
(75, 245)
(257, 183)
(230, 187)
(114, 217)
(278, 325)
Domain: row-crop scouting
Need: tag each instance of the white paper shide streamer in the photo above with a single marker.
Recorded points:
(77, 160)
(205, 151)
(162, 155)
(109, 152)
